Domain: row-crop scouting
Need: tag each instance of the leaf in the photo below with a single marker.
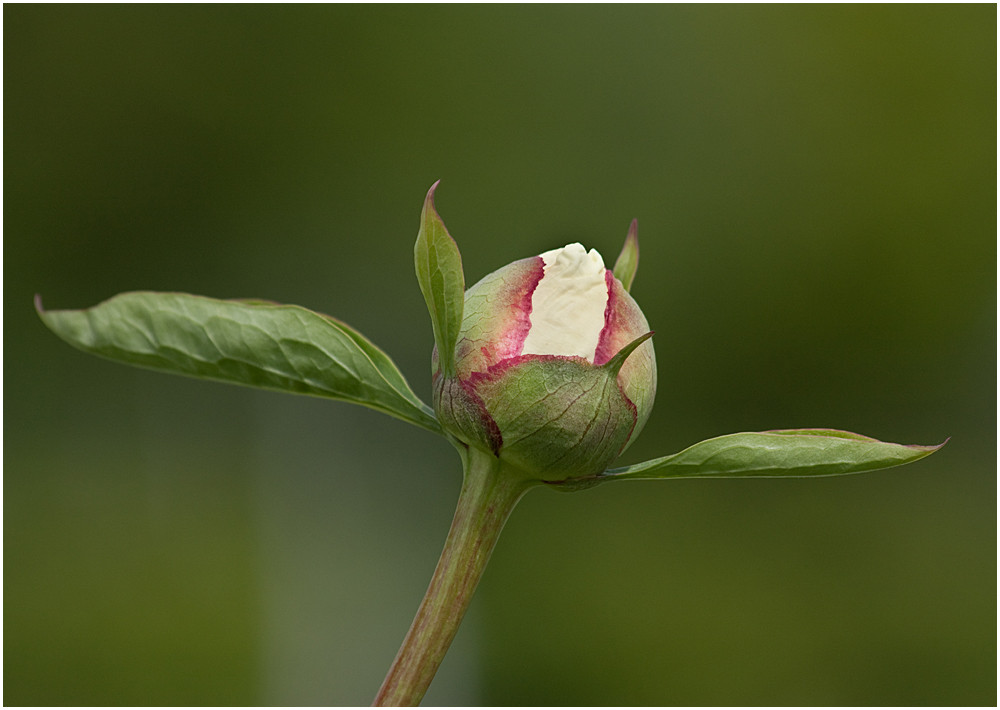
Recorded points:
(246, 342)
(785, 452)
(627, 262)
(439, 272)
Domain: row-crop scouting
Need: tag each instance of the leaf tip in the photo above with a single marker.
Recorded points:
(628, 260)
(46, 317)
(931, 448)
(429, 200)
(430, 218)
(615, 364)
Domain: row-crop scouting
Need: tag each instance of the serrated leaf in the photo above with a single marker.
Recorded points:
(439, 272)
(786, 452)
(627, 262)
(247, 342)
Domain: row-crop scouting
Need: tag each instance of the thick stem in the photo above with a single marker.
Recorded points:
(489, 493)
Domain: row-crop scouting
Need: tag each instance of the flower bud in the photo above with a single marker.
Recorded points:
(554, 372)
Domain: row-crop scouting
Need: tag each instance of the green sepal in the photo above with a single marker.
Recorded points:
(246, 342)
(463, 415)
(615, 363)
(438, 265)
(627, 262)
(779, 453)
(559, 417)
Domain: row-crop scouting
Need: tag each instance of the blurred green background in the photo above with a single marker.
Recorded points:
(816, 194)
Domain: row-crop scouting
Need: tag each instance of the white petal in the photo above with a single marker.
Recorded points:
(567, 307)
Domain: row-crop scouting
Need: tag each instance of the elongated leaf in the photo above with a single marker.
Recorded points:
(246, 342)
(627, 262)
(439, 273)
(785, 452)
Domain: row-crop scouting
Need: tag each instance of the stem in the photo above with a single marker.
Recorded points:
(489, 494)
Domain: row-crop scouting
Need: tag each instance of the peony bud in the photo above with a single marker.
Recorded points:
(554, 373)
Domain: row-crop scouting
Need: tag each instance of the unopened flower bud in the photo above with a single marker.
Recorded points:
(554, 370)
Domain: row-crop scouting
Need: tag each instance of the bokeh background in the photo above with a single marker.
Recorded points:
(816, 194)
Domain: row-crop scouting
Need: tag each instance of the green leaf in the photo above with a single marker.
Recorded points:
(439, 273)
(246, 342)
(627, 262)
(785, 452)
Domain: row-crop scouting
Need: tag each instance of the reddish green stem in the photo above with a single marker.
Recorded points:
(489, 494)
